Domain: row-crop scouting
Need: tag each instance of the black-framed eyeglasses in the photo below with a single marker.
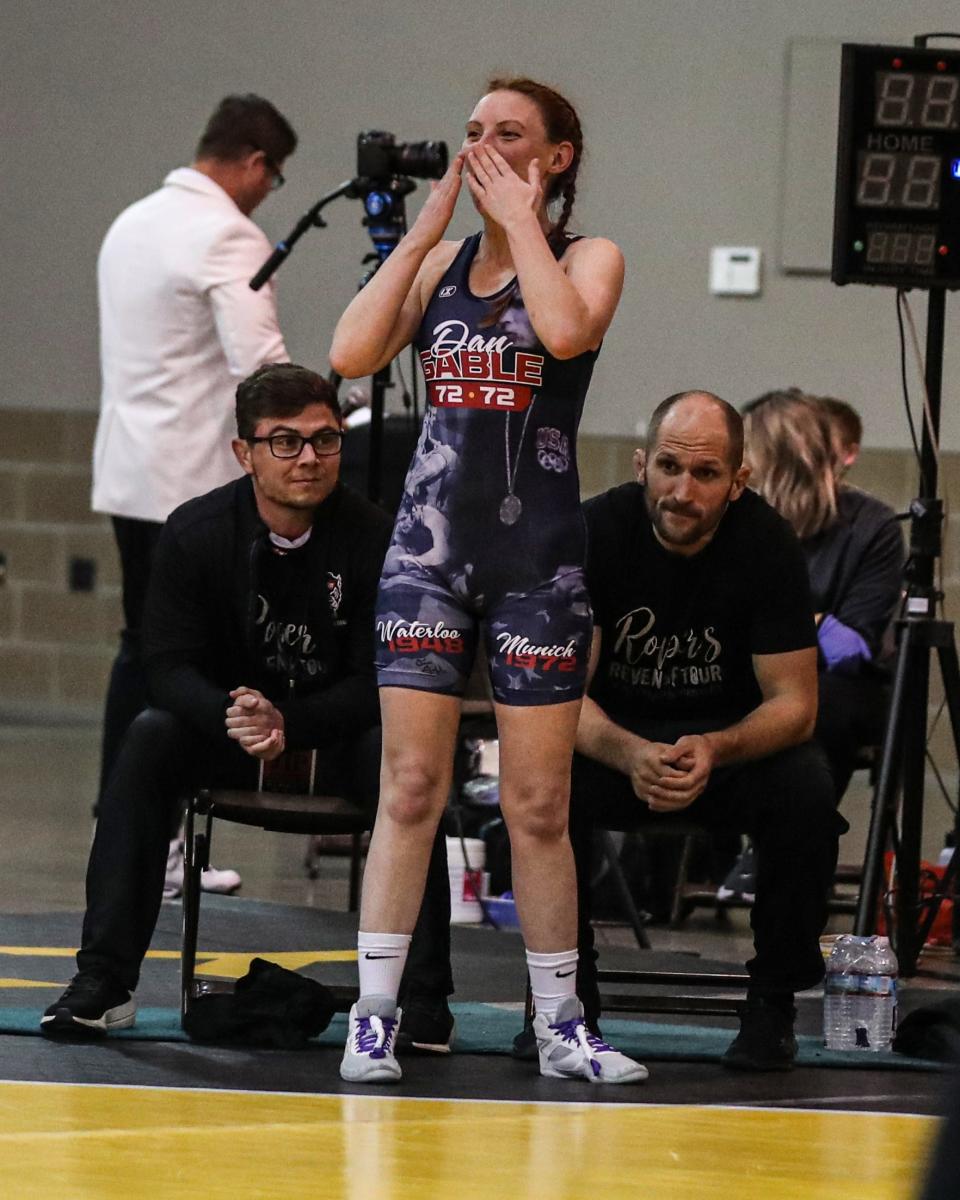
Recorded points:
(277, 180)
(290, 445)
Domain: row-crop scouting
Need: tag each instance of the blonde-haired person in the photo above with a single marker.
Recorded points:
(854, 552)
(846, 429)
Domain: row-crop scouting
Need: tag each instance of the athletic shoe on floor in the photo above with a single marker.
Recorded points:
(368, 1056)
(90, 1007)
(428, 1026)
(568, 1050)
(224, 883)
(765, 1041)
(741, 880)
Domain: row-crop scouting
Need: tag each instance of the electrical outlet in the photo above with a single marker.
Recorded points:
(82, 574)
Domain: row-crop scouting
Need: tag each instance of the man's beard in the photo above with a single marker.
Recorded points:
(701, 526)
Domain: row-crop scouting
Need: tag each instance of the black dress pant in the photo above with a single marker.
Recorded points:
(127, 688)
(785, 803)
(161, 760)
(852, 714)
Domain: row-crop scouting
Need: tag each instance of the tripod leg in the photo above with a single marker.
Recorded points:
(950, 674)
(907, 900)
(884, 796)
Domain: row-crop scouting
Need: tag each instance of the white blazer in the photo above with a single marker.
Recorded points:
(179, 328)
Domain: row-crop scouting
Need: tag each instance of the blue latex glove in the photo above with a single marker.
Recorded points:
(842, 647)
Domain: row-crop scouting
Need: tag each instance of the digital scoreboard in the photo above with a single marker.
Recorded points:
(897, 216)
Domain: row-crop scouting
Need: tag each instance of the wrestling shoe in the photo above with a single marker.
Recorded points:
(428, 1026)
(90, 1007)
(568, 1050)
(741, 880)
(368, 1056)
(213, 880)
(765, 1041)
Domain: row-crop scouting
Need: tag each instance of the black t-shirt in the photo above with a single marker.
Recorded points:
(679, 633)
(287, 622)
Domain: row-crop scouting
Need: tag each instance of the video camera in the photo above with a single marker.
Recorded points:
(384, 170)
(381, 157)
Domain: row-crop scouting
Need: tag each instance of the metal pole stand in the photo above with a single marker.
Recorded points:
(905, 739)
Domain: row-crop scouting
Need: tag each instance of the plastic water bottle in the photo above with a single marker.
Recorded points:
(860, 994)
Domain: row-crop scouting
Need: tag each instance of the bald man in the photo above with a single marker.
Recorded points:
(703, 697)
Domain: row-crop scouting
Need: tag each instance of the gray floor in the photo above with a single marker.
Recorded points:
(49, 775)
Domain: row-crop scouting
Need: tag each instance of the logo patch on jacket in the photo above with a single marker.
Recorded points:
(335, 594)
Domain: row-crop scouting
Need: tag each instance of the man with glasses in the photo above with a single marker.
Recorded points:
(179, 329)
(258, 639)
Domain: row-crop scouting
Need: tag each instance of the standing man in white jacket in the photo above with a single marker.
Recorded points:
(179, 329)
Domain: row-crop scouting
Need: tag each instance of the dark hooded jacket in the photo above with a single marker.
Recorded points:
(200, 636)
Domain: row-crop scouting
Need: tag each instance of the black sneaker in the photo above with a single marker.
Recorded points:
(427, 1026)
(90, 1007)
(765, 1041)
(525, 1045)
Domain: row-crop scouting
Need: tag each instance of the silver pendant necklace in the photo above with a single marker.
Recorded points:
(511, 506)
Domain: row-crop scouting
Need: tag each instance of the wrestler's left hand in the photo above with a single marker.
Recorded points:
(499, 191)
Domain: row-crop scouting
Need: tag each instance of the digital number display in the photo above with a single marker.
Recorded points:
(917, 100)
(898, 180)
(897, 213)
(900, 248)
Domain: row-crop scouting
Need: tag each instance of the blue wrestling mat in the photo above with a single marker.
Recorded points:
(489, 1029)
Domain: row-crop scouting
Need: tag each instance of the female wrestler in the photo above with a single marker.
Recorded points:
(507, 324)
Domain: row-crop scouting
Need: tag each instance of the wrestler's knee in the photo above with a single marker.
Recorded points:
(536, 811)
(412, 790)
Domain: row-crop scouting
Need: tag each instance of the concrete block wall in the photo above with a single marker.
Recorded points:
(56, 645)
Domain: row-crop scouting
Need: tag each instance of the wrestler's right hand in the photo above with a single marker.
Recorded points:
(434, 217)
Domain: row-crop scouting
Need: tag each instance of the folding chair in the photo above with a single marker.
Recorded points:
(275, 811)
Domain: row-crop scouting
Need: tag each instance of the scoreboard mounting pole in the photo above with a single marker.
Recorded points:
(897, 224)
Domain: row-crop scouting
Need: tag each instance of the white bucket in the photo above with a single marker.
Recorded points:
(466, 887)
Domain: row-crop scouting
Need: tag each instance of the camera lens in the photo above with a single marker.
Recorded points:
(423, 160)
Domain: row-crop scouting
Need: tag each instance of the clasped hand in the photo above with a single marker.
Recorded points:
(499, 191)
(670, 777)
(255, 723)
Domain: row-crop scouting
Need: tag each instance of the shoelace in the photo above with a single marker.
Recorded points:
(575, 1032)
(373, 1034)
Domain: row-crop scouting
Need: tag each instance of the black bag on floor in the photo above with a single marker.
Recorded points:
(271, 1006)
(931, 1032)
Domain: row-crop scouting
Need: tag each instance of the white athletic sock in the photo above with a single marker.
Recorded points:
(553, 977)
(381, 958)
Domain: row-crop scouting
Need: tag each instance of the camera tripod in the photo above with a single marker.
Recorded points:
(903, 757)
(385, 218)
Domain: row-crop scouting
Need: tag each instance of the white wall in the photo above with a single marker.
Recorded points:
(682, 104)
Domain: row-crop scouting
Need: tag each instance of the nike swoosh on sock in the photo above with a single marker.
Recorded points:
(366, 955)
(565, 974)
